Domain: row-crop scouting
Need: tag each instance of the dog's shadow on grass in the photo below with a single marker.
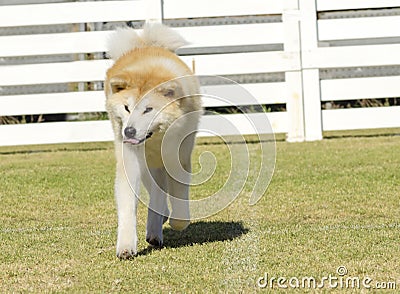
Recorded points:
(200, 233)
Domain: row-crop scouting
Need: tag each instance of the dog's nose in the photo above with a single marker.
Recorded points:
(130, 132)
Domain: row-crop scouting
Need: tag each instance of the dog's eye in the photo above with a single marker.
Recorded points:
(127, 108)
(169, 93)
(147, 110)
(117, 88)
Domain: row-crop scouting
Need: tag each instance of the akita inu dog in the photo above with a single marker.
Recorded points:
(154, 114)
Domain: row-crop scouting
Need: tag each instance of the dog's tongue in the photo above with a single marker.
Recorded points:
(132, 141)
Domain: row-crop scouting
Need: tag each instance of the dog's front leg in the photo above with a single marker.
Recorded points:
(179, 198)
(155, 183)
(126, 192)
(178, 184)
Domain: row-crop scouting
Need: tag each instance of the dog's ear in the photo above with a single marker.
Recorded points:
(171, 90)
(118, 84)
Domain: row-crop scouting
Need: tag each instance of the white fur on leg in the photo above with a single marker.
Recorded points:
(155, 183)
(179, 199)
(178, 183)
(180, 215)
(127, 208)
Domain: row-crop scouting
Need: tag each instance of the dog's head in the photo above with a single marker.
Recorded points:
(142, 106)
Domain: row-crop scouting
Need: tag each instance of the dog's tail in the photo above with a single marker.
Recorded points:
(124, 40)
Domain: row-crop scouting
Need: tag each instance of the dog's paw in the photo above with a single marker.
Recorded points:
(154, 241)
(178, 224)
(126, 250)
(126, 254)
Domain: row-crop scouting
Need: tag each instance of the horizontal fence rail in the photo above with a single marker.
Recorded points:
(355, 4)
(73, 12)
(209, 8)
(299, 60)
(358, 28)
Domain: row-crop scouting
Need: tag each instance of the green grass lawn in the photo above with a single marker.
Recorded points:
(331, 203)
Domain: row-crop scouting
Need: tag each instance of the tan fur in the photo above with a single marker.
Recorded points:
(144, 69)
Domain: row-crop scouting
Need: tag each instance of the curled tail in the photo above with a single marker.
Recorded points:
(124, 40)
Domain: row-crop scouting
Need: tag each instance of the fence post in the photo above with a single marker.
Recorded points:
(310, 76)
(293, 79)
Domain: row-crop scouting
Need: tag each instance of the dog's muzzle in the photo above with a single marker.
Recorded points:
(130, 134)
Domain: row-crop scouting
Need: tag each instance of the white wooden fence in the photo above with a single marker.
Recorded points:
(305, 50)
